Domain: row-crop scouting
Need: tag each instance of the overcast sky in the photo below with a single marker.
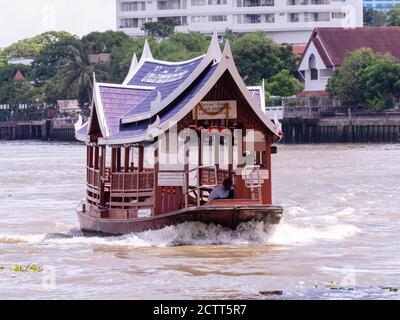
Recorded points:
(21, 19)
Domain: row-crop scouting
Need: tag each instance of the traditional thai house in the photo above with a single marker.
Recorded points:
(160, 142)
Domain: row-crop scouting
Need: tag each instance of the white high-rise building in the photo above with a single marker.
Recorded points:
(290, 21)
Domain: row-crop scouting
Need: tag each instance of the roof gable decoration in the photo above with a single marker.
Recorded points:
(98, 108)
(213, 55)
(135, 65)
(226, 64)
(312, 50)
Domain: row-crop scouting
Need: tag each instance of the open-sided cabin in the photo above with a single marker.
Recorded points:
(159, 143)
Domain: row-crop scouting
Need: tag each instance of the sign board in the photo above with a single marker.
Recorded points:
(170, 179)
(215, 110)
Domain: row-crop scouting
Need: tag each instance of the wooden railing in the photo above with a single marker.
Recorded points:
(93, 178)
(132, 181)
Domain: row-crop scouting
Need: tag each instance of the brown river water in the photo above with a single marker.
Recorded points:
(341, 224)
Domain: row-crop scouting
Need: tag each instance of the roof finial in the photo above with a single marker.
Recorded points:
(146, 54)
(94, 77)
(134, 63)
(214, 49)
(227, 50)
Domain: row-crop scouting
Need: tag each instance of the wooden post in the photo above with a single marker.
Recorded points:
(102, 199)
(90, 157)
(119, 159)
(266, 190)
(126, 162)
(141, 158)
(186, 157)
(158, 196)
(96, 158)
(217, 143)
(114, 160)
(231, 144)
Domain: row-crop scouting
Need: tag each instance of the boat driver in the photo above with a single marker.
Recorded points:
(224, 191)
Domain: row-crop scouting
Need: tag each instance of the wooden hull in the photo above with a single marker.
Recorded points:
(226, 216)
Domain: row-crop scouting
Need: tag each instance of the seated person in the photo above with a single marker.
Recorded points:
(224, 191)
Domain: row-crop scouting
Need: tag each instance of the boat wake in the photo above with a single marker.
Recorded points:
(194, 233)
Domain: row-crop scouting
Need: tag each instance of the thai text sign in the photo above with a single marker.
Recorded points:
(215, 110)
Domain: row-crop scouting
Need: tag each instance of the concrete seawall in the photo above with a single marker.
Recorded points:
(55, 129)
(317, 126)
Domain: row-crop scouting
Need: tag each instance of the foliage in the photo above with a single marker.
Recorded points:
(284, 85)
(104, 42)
(30, 48)
(374, 18)
(162, 29)
(367, 78)
(3, 58)
(382, 83)
(258, 57)
(11, 91)
(61, 68)
(393, 16)
(77, 75)
(52, 57)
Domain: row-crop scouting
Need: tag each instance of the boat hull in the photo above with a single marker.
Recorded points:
(226, 216)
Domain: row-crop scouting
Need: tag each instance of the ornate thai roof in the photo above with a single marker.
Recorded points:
(157, 94)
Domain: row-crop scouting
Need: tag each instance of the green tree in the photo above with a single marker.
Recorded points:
(347, 83)
(12, 91)
(77, 75)
(374, 18)
(258, 57)
(3, 58)
(382, 83)
(30, 48)
(194, 42)
(52, 57)
(284, 85)
(162, 29)
(393, 16)
(367, 79)
(104, 42)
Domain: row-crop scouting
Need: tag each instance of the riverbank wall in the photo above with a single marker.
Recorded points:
(53, 129)
(340, 125)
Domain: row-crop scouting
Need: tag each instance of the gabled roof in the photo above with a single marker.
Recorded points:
(166, 92)
(113, 101)
(334, 43)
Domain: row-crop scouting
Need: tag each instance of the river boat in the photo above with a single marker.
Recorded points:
(158, 144)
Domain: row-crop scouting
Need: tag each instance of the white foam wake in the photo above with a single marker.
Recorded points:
(196, 233)
(287, 234)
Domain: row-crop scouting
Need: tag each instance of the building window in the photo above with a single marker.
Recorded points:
(132, 23)
(199, 19)
(255, 3)
(294, 17)
(133, 6)
(338, 15)
(168, 5)
(199, 3)
(312, 66)
(217, 18)
(216, 2)
(270, 18)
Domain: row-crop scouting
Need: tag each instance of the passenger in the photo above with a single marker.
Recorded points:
(224, 191)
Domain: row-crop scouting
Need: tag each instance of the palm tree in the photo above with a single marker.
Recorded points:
(78, 74)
